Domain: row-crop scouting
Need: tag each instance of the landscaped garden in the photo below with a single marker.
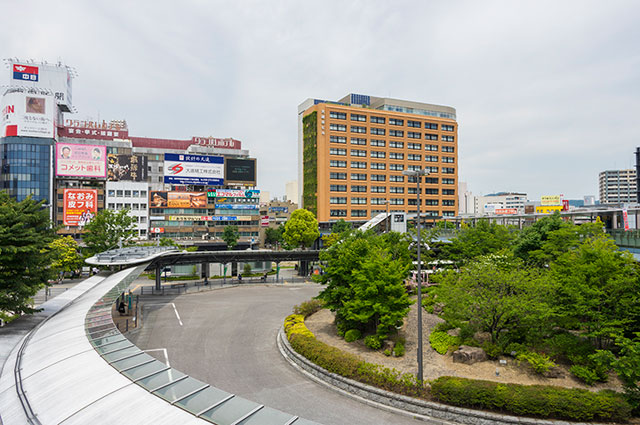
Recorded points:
(540, 322)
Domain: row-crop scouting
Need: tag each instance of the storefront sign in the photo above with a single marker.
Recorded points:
(80, 206)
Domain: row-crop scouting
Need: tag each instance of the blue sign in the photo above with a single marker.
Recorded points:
(193, 169)
(236, 207)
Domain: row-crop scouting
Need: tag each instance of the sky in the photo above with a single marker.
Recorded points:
(547, 93)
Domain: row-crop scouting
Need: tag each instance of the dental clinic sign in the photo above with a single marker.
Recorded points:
(193, 169)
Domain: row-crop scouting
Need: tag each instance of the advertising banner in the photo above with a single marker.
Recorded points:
(86, 129)
(625, 219)
(55, 78)
(80, 206)
(506, 211)
(177, 199)
(193, 169)
(550, 200)
(237, 206)
(264, 221)
(217, 143)
(565, 205)
(156, 230)
(127, 167)
(209, 218)
(28, 115)
(279, 209)
(233, 193)
(81, 160)
(240, 171)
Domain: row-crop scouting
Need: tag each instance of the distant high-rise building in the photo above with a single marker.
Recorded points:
(291, 191)
(352, 154)
(618, 186)
(589, 200)
(466, 200)
(495, 202)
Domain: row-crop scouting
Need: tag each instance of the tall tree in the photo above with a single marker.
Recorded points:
(230, 235)
(108, 230)
(66, 257)
(474, 241)
(340, 226)
(25, 256)
(273, 236)
(301, 229)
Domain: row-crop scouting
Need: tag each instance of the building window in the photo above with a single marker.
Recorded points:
(358, 129)
(395, 189)
(338, 213)
(448, 214)
(396, 133)
(414, 157)
(111, 193)
(398, 145)
(338, 188)
(358, 117)
(377, 120)
(414, 146)
(415, 124)
(414, 135)
(337, 151)
(378, 177)
(135, 206)
(111, 207)
(431, 169)
(358, 164)
(143, 193)
(412, 191)
(337, 139)
(431, 147)
(358, 176)
(431, 180)
(378, 201)
(358, 188)
(337, 127)
(358, 213)
(396, 201)
(431, 126)
(119, 206)
(431, 202)
(358, 141)
(396, 167)
(378, 131)
(359, 201)
(378, 154)
(396, 155)
(448, 170)
(378, 142)
(338, 176)
(143, 220)
(448, 191)
(446, 127)
(448, 203)
(378, 189)
(378, 166)
(338, 200)
(448, 159)
(428, 136)
(431, 158)
(431, 191)
(119, 193)
(338, 164)
(396, 179)
(394, 121)
(358, 152)
(447, 138)
(338, 115)
(448, 149)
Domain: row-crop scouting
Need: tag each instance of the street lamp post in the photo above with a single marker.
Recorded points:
(418, 174)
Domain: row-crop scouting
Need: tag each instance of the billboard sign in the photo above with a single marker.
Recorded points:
(177, 199)
(503, 211)
(80, 206)
(625, 219)
(209, 218)
(213, 142)
(28, 115)
(81, 160)
(193, 169)
(550, 200)
(156, 230)
(54, 78)
(127, 167)
(97, 130)
(240, 171)
(264, 221)
(237, 206)
(279, 209)
(233, 193)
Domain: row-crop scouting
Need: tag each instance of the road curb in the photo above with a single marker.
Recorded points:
(436, 413)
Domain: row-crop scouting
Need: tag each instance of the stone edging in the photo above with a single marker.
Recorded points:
(409, 406)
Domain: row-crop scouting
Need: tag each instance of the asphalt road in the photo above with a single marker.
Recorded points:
(227, 338)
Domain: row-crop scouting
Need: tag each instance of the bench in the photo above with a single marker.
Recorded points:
(178, 285)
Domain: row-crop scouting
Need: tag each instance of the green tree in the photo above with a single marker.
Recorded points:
(108, 229)
(164, 241)
(230, 235)
(273, 236)
(341, 226)
(597, 290)
(497, 294)
(483, 239)
(25, 256)
(301, 229)
(65, 255)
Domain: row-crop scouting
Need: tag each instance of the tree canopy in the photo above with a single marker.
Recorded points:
(230, 235)
(25, 254)
(301, 229)
(108, 230)
(65, 255)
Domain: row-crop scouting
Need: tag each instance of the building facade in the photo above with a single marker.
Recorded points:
(352, 154)
(501, 203)
(618, 186)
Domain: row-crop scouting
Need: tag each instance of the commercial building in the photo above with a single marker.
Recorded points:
(500, 203)
(352, 154)
(274, 214)
(618, 186)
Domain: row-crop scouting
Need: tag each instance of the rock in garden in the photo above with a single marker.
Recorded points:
(482, 337)
(387, 345)
(454, 332)
(469, 355)
(554, 372)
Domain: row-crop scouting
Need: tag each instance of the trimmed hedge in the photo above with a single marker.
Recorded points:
(307, 308)
(294, 324)
(442, 341)
(352, 335)
(532, 400)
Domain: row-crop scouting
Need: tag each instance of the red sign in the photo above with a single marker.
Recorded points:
(94, 129)
(217, 143)
(156, 230)
(506, 211)
(565, 205)
(625, 219)
(80, 206)
(264, 221)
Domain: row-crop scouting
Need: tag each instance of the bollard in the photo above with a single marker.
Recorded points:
(127, 326)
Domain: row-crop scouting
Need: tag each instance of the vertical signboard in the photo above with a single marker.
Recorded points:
(80, 206)
(81, 160)
(127, 167)
(28, 115)
(264, 221)
(625, 219)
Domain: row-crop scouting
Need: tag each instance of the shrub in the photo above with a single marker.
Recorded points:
(493, 350)
(585, 374)
(441, 341)
(307, 308)
(387, 352)
(246, 269)
(516, 348)
(294, 324)
(352, 335)
(532, 400)
(373, 342)
(398, 349)
(540, 363)
(390, 380)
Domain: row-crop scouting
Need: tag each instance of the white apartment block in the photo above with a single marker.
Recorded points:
(133, 196)
(489, 203)
(618, 186)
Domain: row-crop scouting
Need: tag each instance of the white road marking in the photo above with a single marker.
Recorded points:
(177, 315)
(164, 350)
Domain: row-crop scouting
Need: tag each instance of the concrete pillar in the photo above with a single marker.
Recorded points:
(205, 272)
(158, 277)
(614, 221)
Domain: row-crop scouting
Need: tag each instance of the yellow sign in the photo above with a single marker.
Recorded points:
(551, 200)
(548, 209)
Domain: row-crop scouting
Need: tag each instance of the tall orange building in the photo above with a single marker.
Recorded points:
(352, 153)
